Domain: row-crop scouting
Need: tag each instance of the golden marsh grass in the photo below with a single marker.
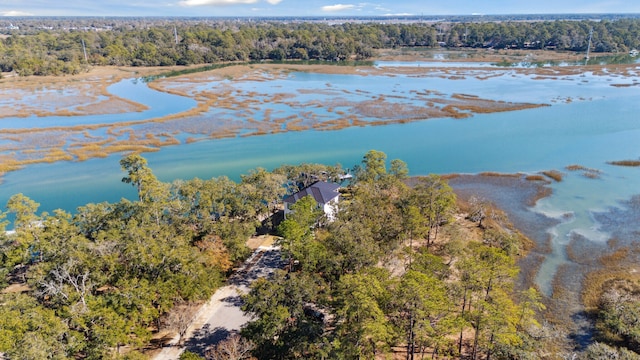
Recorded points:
(235, 110)
(586, 172)
(554, 175)
(631, 163)
(536, 178)
(497, 174)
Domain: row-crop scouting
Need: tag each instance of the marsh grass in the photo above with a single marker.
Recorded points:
(560, 291)
(529, 268)
(221, 134)
(555, 175)
(497, 174)
(296, 125)
(450, 176)
(595, 283)
(575, 167)
(630, 163)
(586, 172)
(452, 111)
(113, 105)
(536, 178)
(54, 155)
(81, 142)
(334, 124)
(7, 165)
(86, 151)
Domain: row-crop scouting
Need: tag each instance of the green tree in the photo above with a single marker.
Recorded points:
(23, 245)
(32, 332)
(285, 325)
(420, 303)
(142, 178)
(618, 315)
(262, 190)
(436, 202)
(486, 276)
(399, 169)
(364, 330)
(598, 351)
(374, 166)
(298, 233)
(24, 210)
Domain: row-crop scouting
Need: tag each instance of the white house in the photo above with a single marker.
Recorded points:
(324, 193)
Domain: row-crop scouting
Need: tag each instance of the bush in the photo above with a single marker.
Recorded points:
(188, 355)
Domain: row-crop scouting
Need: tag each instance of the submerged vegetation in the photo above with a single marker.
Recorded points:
(236, 112)
(586, 172)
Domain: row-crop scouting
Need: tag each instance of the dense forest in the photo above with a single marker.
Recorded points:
(47, 50)
(396, 271)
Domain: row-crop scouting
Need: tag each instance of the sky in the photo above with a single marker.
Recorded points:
(254, 8)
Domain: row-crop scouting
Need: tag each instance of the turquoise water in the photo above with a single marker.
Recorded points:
(588, 123)
(133, 89)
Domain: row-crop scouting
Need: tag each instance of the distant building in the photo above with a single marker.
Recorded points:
(324, 193)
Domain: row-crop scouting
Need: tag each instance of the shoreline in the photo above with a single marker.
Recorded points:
(515, 195)
(578, 283)
(27, 146)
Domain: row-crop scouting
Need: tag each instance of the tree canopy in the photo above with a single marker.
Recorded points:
(381, 279)
(68, 49)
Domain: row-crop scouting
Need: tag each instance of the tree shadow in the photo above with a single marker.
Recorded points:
(234, 300)
(205, 338)
(583, 335)
(262, 265)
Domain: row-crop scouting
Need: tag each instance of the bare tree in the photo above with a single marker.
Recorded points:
(179, 319)
(478, 209)
(62, 277)
(233, 348)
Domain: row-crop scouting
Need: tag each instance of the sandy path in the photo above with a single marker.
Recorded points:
(222, 316)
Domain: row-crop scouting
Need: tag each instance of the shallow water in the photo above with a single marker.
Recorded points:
(588, 123)
(444, 60)
(159, 104)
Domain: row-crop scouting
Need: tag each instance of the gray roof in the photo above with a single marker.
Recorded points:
(321, 191)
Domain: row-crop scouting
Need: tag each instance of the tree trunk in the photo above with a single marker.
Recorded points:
(476, 337)
(464, 304)
(489, 351)
(410, 340)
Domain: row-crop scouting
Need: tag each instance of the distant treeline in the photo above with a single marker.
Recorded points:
(49, 50)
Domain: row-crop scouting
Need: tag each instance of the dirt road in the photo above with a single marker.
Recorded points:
(221, 316)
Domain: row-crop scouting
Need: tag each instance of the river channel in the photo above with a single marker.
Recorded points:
(591, 119)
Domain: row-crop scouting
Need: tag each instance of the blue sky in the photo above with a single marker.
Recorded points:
(307, 7)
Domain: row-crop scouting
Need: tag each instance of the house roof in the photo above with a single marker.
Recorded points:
(321, 191)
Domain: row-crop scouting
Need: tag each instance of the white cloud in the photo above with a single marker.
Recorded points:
(216, 2)
(274, 2)
(15, 13)
(338, 7)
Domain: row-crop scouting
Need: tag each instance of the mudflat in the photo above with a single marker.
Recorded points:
(86, 94)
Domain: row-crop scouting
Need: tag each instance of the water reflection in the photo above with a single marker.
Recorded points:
(593, 60)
